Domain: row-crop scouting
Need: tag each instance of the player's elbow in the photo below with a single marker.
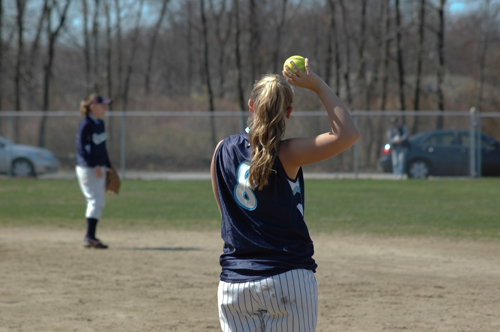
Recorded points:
(349, 137)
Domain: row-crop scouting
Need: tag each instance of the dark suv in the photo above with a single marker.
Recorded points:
(444, 152)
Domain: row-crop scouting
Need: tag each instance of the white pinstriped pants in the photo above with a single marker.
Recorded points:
(93, 188)
(286, 302)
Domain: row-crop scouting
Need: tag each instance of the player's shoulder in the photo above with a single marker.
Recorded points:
(233, 143)
(236, 140)
(84, 123)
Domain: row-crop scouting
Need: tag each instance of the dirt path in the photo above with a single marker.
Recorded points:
(167, 281)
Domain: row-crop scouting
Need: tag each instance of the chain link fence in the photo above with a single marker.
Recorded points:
(140, 141)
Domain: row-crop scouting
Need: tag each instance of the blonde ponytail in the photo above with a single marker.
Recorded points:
(85, 105)
(272, 96)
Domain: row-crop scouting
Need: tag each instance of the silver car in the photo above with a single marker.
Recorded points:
(25, 160)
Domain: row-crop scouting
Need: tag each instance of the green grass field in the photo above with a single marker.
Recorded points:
(442, 208)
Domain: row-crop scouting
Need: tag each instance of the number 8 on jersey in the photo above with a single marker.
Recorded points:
(243, 194)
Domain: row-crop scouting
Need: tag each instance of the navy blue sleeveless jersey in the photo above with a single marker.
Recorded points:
(264, 231)
(91, 143)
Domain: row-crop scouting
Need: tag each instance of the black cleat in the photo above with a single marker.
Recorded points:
(94, 243)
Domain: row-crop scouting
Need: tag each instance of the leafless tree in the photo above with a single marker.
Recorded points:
(237, 32)
(189, 43)
(152, 46)
(440, 34)
(1, 55)
(488, 16)
(130, 65)
(206, 61)
(33, 57)
(95, 39)
(277, 44)
(399, 50)
(118, 28)
(52, 35)
(21, 5)
(254, 39)
(109, 77)
(222, 30)
(347, 49)
(332, 39)
(86, 46)
(384, 56)
(418, 60)
(361, 72)
(338, 63)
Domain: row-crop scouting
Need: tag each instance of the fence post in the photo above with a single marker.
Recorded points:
(479, 155)
(122, 144)
(472, 136)
(356, 151)
(242, 121)
(10, 135)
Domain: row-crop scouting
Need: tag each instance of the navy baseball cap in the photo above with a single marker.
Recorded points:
(101, 100)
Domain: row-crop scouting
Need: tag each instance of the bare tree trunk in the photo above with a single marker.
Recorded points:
(120, 50)
(347, 68)
(329, 51)
(253, 40)
(361, 75)
(384, 57)
(241, 97)
(190, 48)
(109, 78)
(36, 42)
(277, 44)
(52, 38)
(381, 74)
(419, 53)
(440, 69)
(152, 46)
(86, 49)
(207, 72)
(1, 58)
(222, 39)
(95, 37)
(401, 69)
(338, 64)
(132, 55)
(21, 4)
(482, 49)
(33, 59)
(364, 89)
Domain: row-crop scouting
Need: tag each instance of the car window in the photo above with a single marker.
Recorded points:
(465, 139)
(486, 143)
(440, 139)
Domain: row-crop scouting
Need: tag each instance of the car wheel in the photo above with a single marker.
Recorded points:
(418, 169)
(23, 168)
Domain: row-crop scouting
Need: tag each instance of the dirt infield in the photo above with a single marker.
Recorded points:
(167, 280)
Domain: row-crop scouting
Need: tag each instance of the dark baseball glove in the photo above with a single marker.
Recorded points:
(112, 181)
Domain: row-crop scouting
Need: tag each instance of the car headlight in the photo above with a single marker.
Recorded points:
(45, 155)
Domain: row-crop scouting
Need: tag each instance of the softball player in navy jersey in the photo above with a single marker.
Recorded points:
(91, 162)
(267, 281)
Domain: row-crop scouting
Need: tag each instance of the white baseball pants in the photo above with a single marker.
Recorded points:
(286, 302)
(93, 188)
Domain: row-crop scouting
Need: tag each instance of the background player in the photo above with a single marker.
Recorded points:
(267, 281)
(397, 136)
(92, 159)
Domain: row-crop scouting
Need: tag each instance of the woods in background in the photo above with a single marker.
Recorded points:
(206, 54)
